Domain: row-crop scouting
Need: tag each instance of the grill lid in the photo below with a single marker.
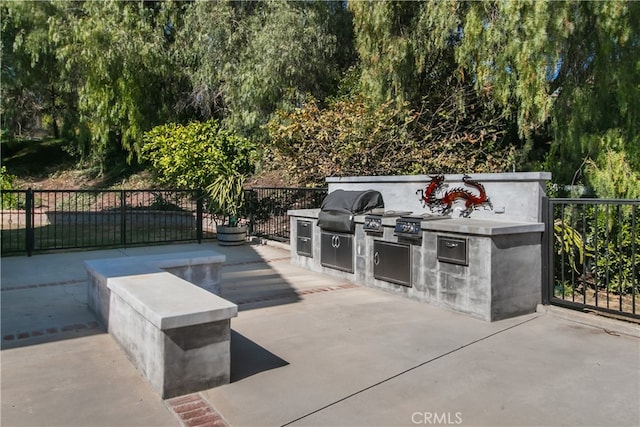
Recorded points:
(340, 206)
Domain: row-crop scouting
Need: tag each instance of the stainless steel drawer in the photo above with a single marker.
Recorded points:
(303, 246)
(304, 228)
(453, 250)
(304, 241)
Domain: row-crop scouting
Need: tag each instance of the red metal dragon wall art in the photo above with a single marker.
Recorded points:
(444, 204)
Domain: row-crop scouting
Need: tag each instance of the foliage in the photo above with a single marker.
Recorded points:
(6, 179)
(226, 194)
(123, 91)
(569, 243)
(563, 290)
(191, 156)
(397, 63)
(616, 234)
(90, 67)
(556, 81)
(32, 86)
(613, 175)
(351, 138)
(598, 246)
(564, 72)
(345, 139)
(7, 182)
(248, 58)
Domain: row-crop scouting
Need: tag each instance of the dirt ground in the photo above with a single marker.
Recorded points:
(46, 165)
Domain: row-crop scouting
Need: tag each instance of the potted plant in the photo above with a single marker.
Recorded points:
(205, 155)
(226, 195)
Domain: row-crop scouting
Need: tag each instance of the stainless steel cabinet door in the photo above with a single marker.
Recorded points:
(336, 251)
(392, 262)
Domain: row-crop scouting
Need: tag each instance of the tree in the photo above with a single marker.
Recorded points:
(392, 60)
(565, 71)
(119, 50)
(246, 59)
(571, 66)
(403, 61)
(101, 69)
(32, 77)
(350, 137)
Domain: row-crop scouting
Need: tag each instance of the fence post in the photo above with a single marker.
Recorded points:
(252, 208)
(29, 220)
(123, 218)
(547, 250)
(199, 214)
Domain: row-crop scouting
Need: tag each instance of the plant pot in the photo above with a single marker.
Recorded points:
(231, 236)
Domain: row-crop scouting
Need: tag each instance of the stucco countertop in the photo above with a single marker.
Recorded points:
(304, 213)
(483, 227)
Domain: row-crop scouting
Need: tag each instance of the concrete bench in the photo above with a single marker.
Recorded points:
(202, 268)
(176, 333)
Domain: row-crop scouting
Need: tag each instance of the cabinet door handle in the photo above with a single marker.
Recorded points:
(337, 242)
(376, 258)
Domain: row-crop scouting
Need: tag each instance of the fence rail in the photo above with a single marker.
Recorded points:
(43, 220)
(594, 261)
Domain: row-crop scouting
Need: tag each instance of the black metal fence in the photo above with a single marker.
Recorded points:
(268, 206)
(42, 220)
(594, 261)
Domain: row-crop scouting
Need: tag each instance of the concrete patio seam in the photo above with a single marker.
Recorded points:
(298, 293)
(399, 374)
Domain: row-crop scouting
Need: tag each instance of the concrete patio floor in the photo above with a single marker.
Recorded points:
(309, 349)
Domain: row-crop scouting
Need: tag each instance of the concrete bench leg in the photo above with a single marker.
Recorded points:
(175, 361)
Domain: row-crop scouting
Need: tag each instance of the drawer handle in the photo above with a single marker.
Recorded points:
(452, 245)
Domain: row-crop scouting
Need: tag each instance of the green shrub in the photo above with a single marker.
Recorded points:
(7, 182)
(598, 245)
(617, 262)
(191, 156)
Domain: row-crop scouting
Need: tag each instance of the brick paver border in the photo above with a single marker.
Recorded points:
(193, 411)
(44, 285)
(51, 331)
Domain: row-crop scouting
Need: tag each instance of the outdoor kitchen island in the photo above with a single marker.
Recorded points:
(489, 267)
